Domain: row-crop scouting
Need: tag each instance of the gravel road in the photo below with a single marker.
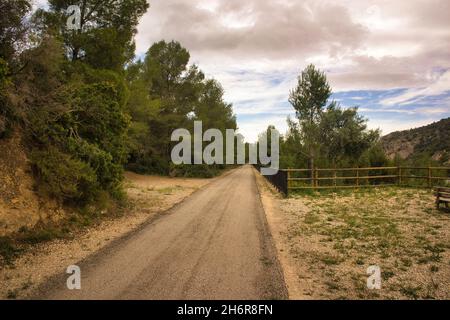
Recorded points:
(213, 245)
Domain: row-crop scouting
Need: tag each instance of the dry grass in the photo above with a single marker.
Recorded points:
(333, 238)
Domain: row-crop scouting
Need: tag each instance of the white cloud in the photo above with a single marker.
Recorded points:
(255, 126)
(440, 86)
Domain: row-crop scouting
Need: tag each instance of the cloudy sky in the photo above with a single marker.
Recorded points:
(390, 58)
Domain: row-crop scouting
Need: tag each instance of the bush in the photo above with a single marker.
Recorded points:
(194, 171)
(61, 176)
(8, 251)
(5, 110)
(79, 145)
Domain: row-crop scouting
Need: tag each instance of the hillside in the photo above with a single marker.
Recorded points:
(431, 140)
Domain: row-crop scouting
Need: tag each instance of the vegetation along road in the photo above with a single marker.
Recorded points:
(213, 245)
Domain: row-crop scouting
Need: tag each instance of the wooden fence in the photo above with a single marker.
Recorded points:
(302, 179)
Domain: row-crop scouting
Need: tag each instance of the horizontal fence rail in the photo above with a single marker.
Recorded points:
(335, 178)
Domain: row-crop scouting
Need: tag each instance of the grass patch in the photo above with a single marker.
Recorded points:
(330, 260)
(387, 274)
(397, 229)
(12, 294)
(311, 218)
(8, 250)
(169, 190)
(332, 285)
(41, 235)
(411, 292)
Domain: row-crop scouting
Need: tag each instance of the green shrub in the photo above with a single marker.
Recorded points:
(194, 171)
(5, 109)
(41, 235)
(8, 251)
(79, 147)
(62, 176)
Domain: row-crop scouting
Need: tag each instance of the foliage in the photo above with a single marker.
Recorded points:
(343, 134)
(5, 111)
(105, 39)
(197, 171)
(309, 98)
(310, 95)
(166, 94)
(13, 30)
(72, 108)
(328, 136)
(60, 175)
(8, 251)
(82, 145)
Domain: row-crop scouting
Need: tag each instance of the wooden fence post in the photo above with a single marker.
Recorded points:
(316, 176)
(399, 173)
(429, 177)
(288, 177)
(335, 178)
(357, 178)
(285, 182)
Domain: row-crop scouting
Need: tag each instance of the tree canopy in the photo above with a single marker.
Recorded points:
(325, 134)
(86, 107)
(171, 94)
(107, 28)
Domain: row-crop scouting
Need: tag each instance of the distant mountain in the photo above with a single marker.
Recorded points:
(432, 140)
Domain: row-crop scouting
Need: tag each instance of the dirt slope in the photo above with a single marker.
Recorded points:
(19, 205)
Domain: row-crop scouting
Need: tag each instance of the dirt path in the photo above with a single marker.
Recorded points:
(213, 245)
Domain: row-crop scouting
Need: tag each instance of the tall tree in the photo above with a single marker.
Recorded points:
(309, 98)
(107, 27)
(177, 85)
(13, 35)
(164, 65)
(13, 28)
(211, 108)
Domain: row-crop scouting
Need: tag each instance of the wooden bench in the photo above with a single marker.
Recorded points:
(442, 196)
